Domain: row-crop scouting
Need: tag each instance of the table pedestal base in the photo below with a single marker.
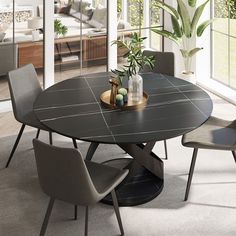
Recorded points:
(140, 186)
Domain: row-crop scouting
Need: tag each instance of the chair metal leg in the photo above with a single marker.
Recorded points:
(16, 144)
(116, 208)
(234, 155)
(37, 135)
(47, 216)
(75, 143)
(86, 221)
(75, 212)
(92, 148)
(166, 154)
(50, 137)
(190, 176)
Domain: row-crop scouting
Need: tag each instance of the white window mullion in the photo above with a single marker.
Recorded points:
(146, 19)
(124, 10)
(112, 35)
(48, 43)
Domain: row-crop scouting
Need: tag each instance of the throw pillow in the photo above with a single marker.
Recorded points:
(78, 6)
(64, 10)
(100, 16)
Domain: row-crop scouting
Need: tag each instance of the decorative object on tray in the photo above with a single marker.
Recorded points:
(185, 30)
(59, 28)
(120, 101)
(124, 93)
(135, 61)
(114, 89)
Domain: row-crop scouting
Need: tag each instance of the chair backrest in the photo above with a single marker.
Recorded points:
(164, 62)
(63, 174)
(24, 88)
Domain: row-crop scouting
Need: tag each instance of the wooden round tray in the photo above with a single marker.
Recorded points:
(130, 105)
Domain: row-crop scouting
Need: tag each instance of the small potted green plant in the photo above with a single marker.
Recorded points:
(59, 28)
(136, 60)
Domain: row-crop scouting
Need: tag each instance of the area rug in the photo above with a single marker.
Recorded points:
(210, 210)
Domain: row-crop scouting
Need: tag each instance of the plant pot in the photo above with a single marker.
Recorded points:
(189, 76)
(135, 88)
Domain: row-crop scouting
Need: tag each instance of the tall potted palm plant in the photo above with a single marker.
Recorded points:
(185, 27)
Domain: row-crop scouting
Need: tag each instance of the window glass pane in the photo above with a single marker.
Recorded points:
(82, 48)
(21, 35)
(7, 48)
(29, 34)
(233, 62)
(155, 20)
(220, 57)
(221, 15)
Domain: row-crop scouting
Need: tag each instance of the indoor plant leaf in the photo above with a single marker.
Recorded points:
(197, 16)
(166, 34)
(203, 26)
(185, 18)
(184, 53)
(194, 51)
(192, 3)
(176, 27)
(171, 10)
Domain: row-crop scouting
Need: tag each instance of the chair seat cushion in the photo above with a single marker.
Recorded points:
(215, 133)
(105, 178)
(31, 120)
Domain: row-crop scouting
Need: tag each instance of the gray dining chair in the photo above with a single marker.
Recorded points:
(24, 88)
(215, 133)
(165, 64)
(64, 175)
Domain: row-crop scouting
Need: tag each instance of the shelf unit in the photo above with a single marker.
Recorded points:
(94, 49)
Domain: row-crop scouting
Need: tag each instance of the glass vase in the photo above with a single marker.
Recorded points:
(135, 88)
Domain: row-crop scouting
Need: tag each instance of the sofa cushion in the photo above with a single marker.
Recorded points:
(81, 10)
(99, 17)
(78, 6)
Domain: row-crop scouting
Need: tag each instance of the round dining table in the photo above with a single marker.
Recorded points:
(174, 107)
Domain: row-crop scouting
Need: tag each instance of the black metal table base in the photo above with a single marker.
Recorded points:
(140, 186)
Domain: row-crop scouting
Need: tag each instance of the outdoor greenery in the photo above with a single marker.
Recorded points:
(135, 8)
(225, 9)
(135, 58)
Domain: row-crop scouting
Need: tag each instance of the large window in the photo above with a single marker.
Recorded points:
(18, 22)
(141, 15)
(224, 42)
(80, 49)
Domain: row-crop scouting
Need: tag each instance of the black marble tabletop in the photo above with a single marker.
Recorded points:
(72, 108)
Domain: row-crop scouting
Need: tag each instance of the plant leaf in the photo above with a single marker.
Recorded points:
(166, 34)
(184, 53)
(185, 18)
(171, 10)
(194, 51)
(176, 27)
(197, 16)
(203, 26)
(192, 3)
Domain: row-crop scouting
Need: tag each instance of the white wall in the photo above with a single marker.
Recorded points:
(203, 59)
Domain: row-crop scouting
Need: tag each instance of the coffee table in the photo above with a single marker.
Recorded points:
(175, 107)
